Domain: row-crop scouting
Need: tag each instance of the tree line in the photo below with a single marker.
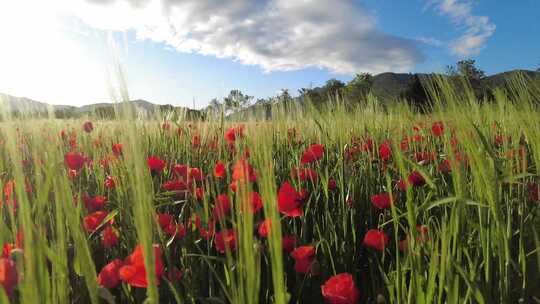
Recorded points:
(352, 91)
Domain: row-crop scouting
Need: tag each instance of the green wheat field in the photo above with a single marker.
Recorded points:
(340, 203)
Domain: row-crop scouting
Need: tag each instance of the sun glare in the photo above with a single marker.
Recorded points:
(41, 56)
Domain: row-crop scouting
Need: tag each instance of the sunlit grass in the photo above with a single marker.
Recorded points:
(482, 243)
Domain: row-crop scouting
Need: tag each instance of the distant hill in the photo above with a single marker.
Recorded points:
(385, 87)
(23, 104)
(393, 85)
(500, 79)
(26, 105)
(139, 103)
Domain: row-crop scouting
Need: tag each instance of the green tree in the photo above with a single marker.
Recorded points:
(284, 96)
(236, 100)
(214, 106)
(214, 103)
(333, 86)
(359, 86)
(466, 68)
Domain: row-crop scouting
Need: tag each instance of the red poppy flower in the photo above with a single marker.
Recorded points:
(289, 201)
(437, 129)
(304, 257)
(74, 161)
(256, 202)
(181, 171)
(108, 276)
(219, 170)
(7, 249)
(423, 233)
(385, 151)
(199, 193)
(265, 228)
(416, 179)
(9, 276)
(94, 203)
(195, 174)
(9, 194)
(288, 243)
(205, 232)
(222, 208)
(243, 171)
(168, 224)
(445, 166)
(498, 140)
(196, 141)
(72, 174)
(351, 153)
(73, 142)
(312, 154)
(376, 239)
(176, 186)
(110, 183)
(225, 240)
(340, 289)
(423, 236)
(425, 156)
(382, 200)
(164, 219)
(332, 184)
(104, 162)
(92, 221)
(156, 164)
(454, 142)
(367, 145)
(304, 194)
(402, 184)
(417, 138)
(117, 149)
(233, 186)
(88, 127)
(233, 133)
(166, 126)
(133, 271)
(304, 174)
(109, 237)
(181, 230)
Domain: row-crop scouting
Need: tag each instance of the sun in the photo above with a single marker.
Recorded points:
(42, 57)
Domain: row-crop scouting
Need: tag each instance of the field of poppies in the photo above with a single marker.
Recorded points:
(335, 205)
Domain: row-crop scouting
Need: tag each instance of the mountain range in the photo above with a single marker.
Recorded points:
(385, 86)
(104, 109)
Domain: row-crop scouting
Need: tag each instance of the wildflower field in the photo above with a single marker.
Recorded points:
(339, 204)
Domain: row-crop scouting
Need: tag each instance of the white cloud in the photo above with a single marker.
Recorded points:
(477, 29)
(431, 41)
(277, 35)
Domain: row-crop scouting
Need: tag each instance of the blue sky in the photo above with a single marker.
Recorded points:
(188, 52)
